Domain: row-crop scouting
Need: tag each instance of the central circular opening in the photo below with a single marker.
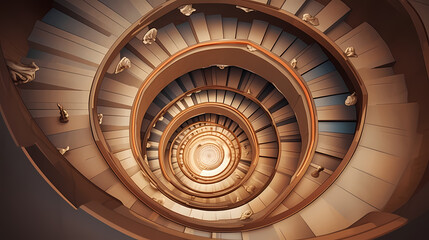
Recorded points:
(208, 156)
(207, 152)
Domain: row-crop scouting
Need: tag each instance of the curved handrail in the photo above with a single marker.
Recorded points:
(329, 46)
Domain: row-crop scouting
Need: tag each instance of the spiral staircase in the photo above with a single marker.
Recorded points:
(213, 132)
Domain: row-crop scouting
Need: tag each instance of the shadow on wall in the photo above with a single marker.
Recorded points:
(415, 229)
(31, 209)
(17, 18)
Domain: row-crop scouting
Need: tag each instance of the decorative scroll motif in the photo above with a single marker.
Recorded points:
(316, 172)
(250, 48)
(310, 19)
(20, 73)
(100, 118)
(220, 66)
(125, 63)
(187, 10)
(250, 189)
(63, 150)
(245, 9)
(150, 36)
(64, 116)
(294, 63)
(246, 215)
(351, 100)
(350, 52)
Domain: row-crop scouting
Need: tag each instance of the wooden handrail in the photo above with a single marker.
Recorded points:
(332, 50)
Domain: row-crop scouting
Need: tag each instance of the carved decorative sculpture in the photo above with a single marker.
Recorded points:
(250, 189)
(247, 10)
(187, 10)
(249, 91)
(145, 175)
(161, 118)
(350, 52)
(152, 185)
(310, 19)
(238, 199)
(294, 63)
(150, 36)
(316, 173)
(125, 63)
(148, 145)
(160, 200)
(20, 73)
(64, 116)
(220, 66)
(250, 48)
(63, 150)
(246, 215)
(100, 118)
(145, 159)
(351, 100)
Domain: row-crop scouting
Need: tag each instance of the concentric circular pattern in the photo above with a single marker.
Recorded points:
(254, 94)
(220, 159)
(207, 155)
(252, 147)
(202, 136)
(186, 177)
